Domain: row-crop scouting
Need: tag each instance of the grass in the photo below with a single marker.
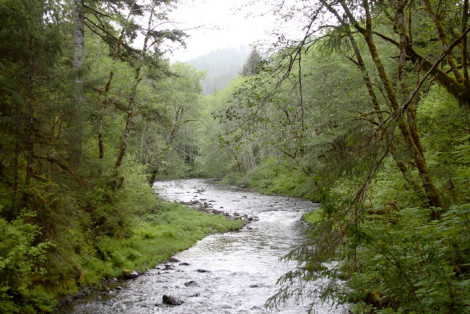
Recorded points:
(313, 216)
(155, 238)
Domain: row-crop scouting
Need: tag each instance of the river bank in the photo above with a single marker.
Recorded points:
(230, 272)
(154, 239)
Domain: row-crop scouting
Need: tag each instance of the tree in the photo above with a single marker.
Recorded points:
(252, 63)
(152, 37)
(78, 62)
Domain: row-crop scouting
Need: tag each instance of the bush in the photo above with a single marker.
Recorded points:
(411, 264)
(22, 260)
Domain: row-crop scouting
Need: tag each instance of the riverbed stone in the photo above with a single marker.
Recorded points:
(173, 260)
(129, 274)
(171, 300)
(202, 270)
(191, 283)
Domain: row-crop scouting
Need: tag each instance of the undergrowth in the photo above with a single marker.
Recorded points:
(34, 274)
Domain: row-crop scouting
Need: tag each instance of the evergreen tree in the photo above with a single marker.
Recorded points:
(251, 64)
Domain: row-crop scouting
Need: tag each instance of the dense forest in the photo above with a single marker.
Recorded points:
(91, 115)
(367, 114)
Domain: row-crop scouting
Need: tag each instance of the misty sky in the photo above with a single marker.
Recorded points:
(222, 24)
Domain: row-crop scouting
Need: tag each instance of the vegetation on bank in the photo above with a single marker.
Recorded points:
(154, 238)
(367, 114)
(42, 275)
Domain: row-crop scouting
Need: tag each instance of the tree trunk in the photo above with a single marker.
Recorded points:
(411, 136)
(75, 127)
(375, 103)
(130, 108)
(464, 45)
(30, 145)
(108, 85)
(415, 140)
(442, 37)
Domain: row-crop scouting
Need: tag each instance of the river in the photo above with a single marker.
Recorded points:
(234, 272)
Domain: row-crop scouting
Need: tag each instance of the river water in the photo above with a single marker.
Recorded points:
(234, 272)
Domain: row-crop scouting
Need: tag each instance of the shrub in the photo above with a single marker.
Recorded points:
(22, 260)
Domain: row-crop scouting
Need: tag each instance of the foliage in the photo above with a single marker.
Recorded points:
(22, 264)
(413, 265)
(80, 144)
(355, 116)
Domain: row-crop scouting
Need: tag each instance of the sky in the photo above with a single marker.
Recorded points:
(218, 24)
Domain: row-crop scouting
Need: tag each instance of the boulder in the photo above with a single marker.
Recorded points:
(202, 271)
(171, 300)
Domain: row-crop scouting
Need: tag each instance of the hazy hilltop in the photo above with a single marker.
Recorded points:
(221, 65)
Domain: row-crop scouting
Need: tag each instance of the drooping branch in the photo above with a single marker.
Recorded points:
(430, 71)
(457, 90)
(442, 37)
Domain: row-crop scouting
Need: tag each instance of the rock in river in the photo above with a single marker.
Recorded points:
(129, 274)
(202, 270)
(191, 283)
(171, 300)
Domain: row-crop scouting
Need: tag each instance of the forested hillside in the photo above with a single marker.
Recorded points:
(221, 66)
(367, 114)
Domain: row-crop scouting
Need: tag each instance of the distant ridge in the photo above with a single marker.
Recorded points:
(222, 66)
